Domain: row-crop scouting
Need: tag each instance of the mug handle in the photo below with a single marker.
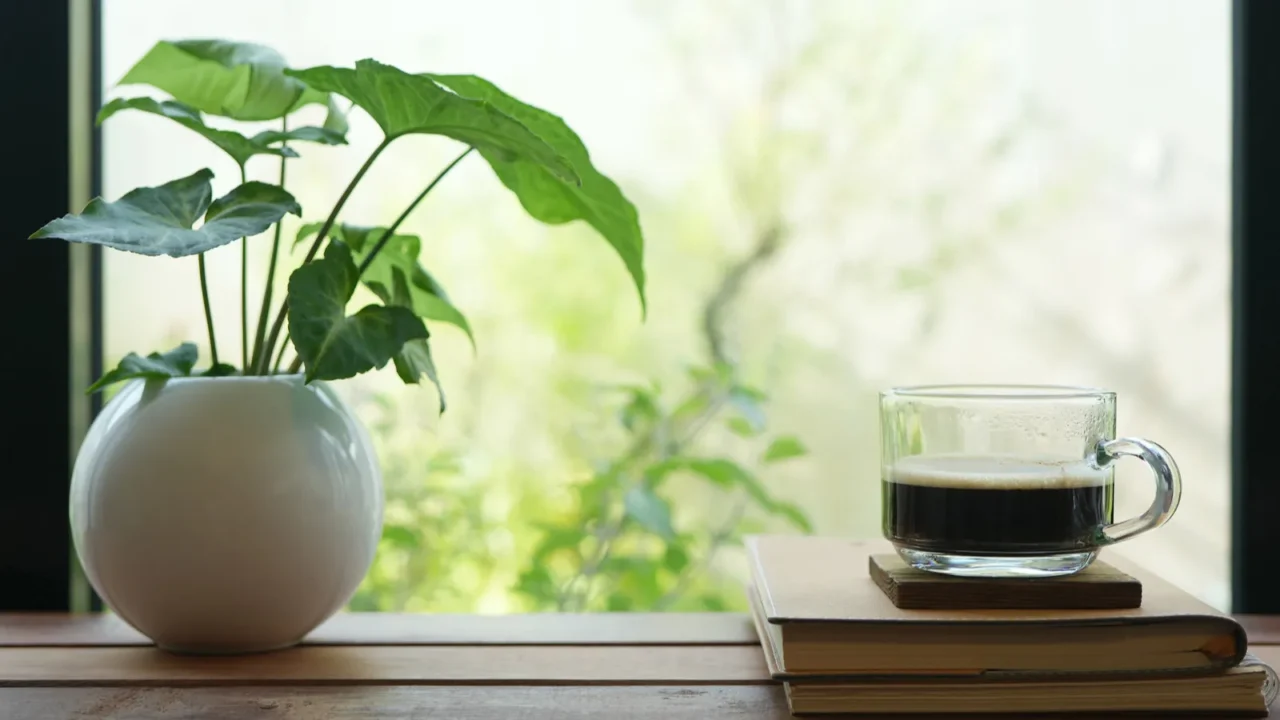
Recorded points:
(1168, 485)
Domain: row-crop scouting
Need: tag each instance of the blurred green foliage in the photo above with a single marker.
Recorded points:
(610, 541)
(617, 545)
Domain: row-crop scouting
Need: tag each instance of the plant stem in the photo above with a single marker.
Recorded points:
(386, 236)
(275, 368)
(390, 231)
(208, 311)
(244, 293)
(296, 365)
(261, 359)
(320, 236)
(342, 200)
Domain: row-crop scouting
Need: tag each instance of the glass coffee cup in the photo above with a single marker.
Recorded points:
(1009, 481)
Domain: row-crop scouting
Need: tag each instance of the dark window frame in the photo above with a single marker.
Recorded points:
(56, 341)
(54, 344)
(1255, 305)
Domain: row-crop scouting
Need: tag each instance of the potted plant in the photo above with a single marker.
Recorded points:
(232, 508)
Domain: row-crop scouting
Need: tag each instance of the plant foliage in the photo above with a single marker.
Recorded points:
(532, 152)
(621, 545)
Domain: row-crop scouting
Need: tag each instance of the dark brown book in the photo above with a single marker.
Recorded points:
(1236, 691)
(1101, 586)
(832, 619)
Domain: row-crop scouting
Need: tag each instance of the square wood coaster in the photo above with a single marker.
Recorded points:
(1098, 587)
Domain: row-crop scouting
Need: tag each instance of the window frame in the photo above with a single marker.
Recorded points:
(57, 145)
(1255, 305)
(56, 340)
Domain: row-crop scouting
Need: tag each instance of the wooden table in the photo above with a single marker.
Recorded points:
(414, 666)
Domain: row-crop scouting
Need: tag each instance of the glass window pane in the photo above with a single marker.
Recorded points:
(837, 197)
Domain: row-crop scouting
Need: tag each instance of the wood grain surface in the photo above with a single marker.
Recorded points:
(431, 703)
(396, 703)
(390, 664)
(56, 667)
(54, 629)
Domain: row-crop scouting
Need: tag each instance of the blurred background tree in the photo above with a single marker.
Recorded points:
(648, 513)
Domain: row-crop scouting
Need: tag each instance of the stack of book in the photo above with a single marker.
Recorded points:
(841, 645)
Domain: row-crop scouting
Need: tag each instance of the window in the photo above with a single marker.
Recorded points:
(836, 196)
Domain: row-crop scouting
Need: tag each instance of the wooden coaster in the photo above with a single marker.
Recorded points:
(1097, 587)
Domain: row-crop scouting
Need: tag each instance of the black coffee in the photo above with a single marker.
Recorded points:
(975, 505)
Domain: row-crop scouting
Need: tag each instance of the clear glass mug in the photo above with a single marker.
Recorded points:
(1009, 481)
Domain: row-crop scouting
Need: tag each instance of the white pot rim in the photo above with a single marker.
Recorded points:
(291, 378)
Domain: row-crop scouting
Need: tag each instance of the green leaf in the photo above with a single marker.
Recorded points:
(650, 511)
(556, 539)
(248, 210)
(400, 252)
(713, 603)
(741, 427)
(675, 558)
(332, 344)
(239, 147)
(159, 220)
(640, 411)
(414, 359)
(178, 362)
(323, 136)
(237, 80)
(404, 104)
(306, 231)
(693, 407)
(635, 577)
(400, 537)
(221, 370)
(336, 119)
(312, 96)
(728, 474)
(596, 199)
(784, 448)
(537, 583)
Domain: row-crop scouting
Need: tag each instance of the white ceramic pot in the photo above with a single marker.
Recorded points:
(226, 515)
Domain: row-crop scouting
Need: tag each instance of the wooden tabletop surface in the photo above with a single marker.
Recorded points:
(371, 666)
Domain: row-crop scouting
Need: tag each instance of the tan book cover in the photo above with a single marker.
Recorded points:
(1237, 691)
(831, 618)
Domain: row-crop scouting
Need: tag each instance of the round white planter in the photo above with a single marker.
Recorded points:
(226, 515)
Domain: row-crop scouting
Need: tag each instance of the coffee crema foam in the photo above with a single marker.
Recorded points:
(996, 472)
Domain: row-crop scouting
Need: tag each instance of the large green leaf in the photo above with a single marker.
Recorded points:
(239, 147)
(597, 199)
(238, 80)
(159, 220)
(414, 359)
(400, 252)
(175, 363)
(404, 104)
(310, 133)
(336, 119)
(332, 344)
